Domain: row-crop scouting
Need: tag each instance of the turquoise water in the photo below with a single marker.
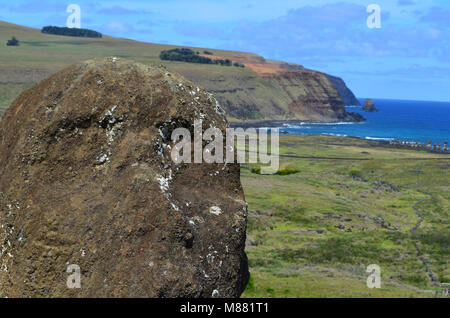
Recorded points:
(406, 120)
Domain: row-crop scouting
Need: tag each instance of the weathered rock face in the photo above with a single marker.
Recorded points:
(369, 106)
(315, 97)
(345, 93)
(86, 178)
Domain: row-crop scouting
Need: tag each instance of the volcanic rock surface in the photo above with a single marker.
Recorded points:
(369, 106)
(86, 178)
(345, 93)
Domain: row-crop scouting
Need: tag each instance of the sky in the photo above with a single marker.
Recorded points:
(408, 57)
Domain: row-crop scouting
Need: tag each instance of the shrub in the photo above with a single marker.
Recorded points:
(256, 170)
(281, 172)
(355, 174)
(226, 62)
(207, 53)
(285, 172)
(13, 42)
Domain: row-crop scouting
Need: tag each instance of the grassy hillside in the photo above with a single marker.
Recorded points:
(312, 234)
(253, 92)
(40, 55)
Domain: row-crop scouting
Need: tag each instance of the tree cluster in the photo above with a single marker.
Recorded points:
(187, 55)
(71, 32)
(184, 55)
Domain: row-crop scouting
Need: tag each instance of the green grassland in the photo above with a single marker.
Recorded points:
(313, 233)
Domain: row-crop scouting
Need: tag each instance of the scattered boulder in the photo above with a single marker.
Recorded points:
(87, 179)
(369, 106)
(385, 186)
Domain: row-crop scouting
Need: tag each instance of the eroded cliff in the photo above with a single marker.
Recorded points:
(272, 90)
(345, 93)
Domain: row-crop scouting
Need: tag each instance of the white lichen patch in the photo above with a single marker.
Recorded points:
(215, 293)
(215, 210)
(197, 219)
(163, 183)
(111, 133)
(211, 257)
(102, 158)
(6, 233)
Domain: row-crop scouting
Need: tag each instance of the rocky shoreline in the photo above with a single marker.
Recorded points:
(281, 123)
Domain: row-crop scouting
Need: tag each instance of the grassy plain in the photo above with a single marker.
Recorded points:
(313, 233)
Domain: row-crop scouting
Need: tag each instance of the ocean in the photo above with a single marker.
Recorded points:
(397, 119)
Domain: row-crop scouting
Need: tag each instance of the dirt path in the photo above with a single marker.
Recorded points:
(430, 273)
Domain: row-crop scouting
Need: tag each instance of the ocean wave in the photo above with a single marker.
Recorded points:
(306, 124)
(338, 123)
(336, 135)
(378, 138)
(296, 127)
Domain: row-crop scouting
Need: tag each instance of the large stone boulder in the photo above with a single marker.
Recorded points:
(369, 106)
(87, 180)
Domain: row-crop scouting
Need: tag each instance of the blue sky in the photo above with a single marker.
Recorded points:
(408, 58)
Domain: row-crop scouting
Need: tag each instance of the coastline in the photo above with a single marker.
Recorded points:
(403, 121)
(371, 141)
(283, 123)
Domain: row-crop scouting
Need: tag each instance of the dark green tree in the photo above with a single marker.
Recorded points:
(71, 32)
